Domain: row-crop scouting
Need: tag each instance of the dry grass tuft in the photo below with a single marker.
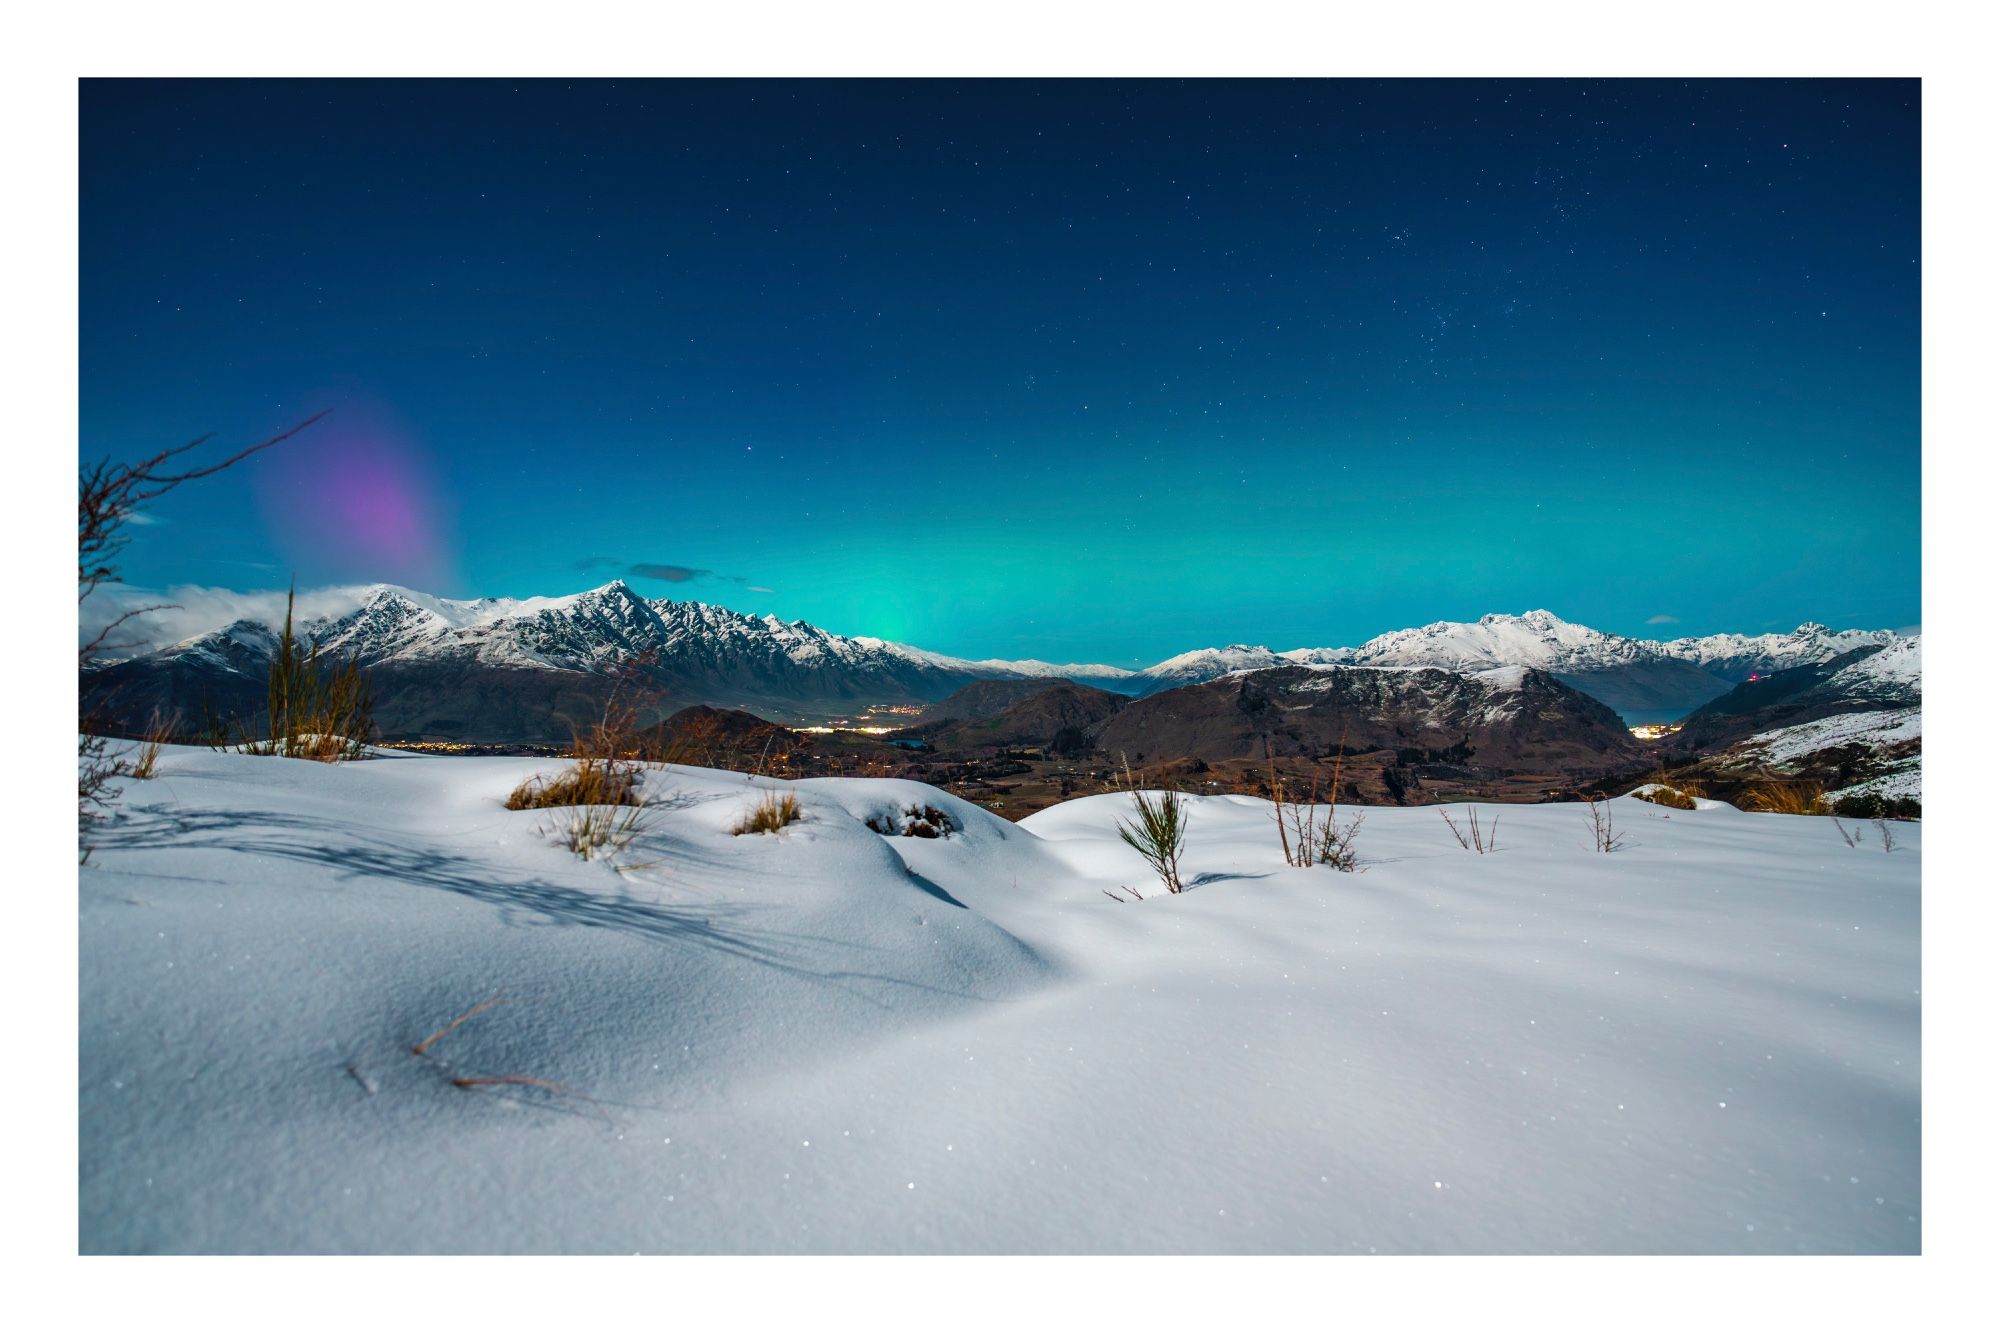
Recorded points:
(773, 811)
(593, 831)
(1787, 798)
(159, 730)
(610, 754)
(590, 781)
(147, 761)
(315, 713)
(1306, 837)
(1676, 793)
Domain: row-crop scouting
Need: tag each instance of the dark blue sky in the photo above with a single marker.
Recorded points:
(1079, 370)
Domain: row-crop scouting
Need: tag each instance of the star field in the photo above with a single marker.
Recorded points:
(1079, 370)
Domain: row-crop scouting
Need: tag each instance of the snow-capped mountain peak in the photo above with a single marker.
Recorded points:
(710, 652)
(1206, 663)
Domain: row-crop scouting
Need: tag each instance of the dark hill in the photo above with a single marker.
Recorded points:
(1515, 719)
(983, 699)
(725, 738)
(1059, 717)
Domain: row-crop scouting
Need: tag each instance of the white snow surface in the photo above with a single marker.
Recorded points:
(827, 1040)
(1902, 662)
(1535, 639)
(1031, 666)
(1878, 729)
(1539, 639)
(1905, 779)
(1502, 678)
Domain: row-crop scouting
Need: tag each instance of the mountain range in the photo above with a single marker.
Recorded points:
(1865, 679)
(504, 669)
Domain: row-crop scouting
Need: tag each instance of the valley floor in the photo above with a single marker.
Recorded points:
(829, 1040)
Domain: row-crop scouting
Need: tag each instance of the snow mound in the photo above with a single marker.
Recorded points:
(336, 1008)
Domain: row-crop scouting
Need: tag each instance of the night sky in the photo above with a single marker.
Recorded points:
(1077, 370)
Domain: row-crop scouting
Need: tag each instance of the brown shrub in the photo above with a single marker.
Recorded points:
(610, 753)
(1787, 798)
(159, 731)
(588, 781)
(773, 811)
(1668, 796)
(598, 830)
(314, 713)
(1306, 837)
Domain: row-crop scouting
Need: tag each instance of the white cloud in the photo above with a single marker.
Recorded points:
(1663, 619)
(187, 609)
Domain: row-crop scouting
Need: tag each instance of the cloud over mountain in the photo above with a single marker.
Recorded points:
(661, 571)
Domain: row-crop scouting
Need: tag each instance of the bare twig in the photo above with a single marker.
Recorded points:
(1602, 837)
(1473, 838)
(521, 1080)
(1888, 838)
(1315, 839)
(449, 1028)
(109, 493)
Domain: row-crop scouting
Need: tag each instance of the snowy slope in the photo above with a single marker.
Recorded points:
(1890, 741)
(1881, 729)
(827, 1040)
(1537, 639)
(1737, 655)
(1210, 663)
(1089, 673)
(1643, 679)
(1898, 670)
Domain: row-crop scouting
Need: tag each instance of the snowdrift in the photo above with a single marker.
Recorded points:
(829, 1039)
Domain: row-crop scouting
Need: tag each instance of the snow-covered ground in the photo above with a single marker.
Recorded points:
(1903, 780)
(1881, 730)
(829, 1040)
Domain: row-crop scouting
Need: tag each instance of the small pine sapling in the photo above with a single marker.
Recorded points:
(1157, 830)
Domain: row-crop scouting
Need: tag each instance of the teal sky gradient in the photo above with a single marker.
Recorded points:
(1081, 371)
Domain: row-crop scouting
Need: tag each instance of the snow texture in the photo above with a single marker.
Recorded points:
(831, 1040)
(1877, 730)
